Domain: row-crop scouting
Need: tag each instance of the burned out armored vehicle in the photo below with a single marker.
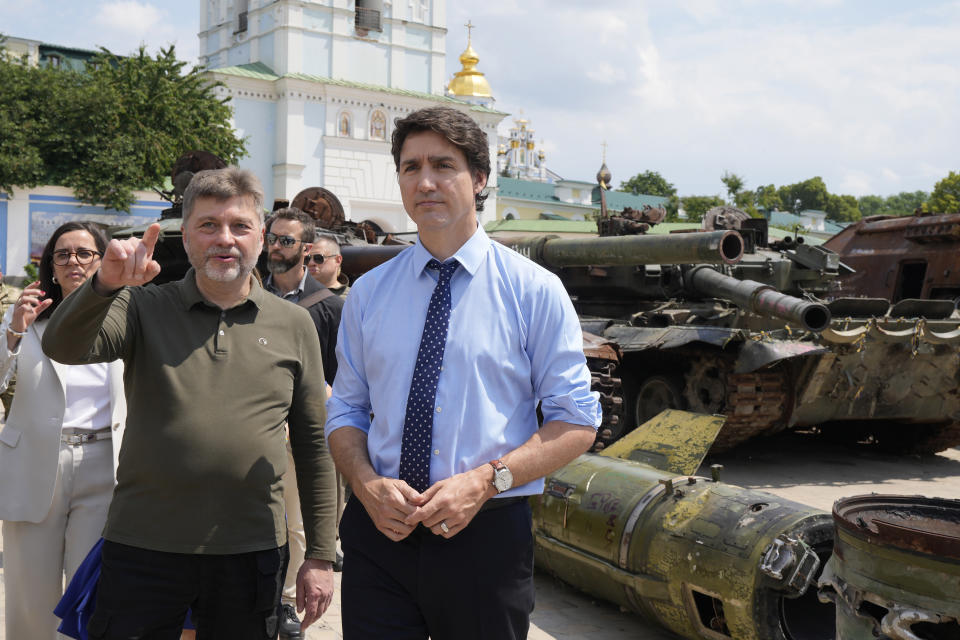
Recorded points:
(761, 337)
(901, 258)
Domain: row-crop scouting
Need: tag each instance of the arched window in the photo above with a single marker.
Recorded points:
(378, 125)
(344, 124)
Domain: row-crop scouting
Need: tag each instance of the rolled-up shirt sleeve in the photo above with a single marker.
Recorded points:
(561, 379)
(349, 406)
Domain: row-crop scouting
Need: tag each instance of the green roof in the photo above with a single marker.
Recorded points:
(544, 192)
(260, 71)
(590, 227)
(526, 189)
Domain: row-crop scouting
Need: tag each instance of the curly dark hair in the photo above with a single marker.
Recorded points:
(458, 128)
(51, 288)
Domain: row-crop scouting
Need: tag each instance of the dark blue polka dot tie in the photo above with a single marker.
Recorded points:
(418, 421)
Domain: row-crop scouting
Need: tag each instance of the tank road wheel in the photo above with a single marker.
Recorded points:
(656, 394)
(706, 386)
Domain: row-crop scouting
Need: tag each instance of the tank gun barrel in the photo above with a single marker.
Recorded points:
(759, 298)
(715, 247)
(358, 259)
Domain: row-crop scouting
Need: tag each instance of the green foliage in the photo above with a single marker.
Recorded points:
(809, 194)
(33, 273)
(842, 208)
(904, 203)
(734, 185)
(697, 206)
(946, 195)
(117, 127)
(767, 197)
(648, 183)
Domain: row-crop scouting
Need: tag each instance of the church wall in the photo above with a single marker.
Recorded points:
(362, 61)
(417, 71)
(239, 54)
(255, 120)
(314, 117)
(316, 54)
(267, 54)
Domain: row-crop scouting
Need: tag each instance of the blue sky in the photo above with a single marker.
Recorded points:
(865, 94)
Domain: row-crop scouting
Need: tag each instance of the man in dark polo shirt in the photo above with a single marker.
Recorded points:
(290, 235)
(215, 366)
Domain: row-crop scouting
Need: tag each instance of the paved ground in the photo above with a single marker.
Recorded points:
(797, 467)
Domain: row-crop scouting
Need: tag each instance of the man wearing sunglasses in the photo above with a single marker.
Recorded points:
(323, 263)
(289, 237)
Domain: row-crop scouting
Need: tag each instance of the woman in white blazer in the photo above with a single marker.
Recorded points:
(58, 449)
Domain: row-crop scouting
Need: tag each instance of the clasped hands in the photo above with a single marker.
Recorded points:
(396, 508)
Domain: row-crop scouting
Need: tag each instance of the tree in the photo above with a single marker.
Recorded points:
(946, 195)
(842, 208)
(114, 128)
(734, 185)
(809, 194)
(697, 206)
(901, 204)
(767, 198)
(648, 183)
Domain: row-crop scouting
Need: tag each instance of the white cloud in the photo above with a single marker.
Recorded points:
(129, 15)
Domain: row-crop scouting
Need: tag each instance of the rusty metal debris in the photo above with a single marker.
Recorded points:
(895, 570)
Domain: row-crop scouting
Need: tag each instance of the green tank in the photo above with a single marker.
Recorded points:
(762, 338)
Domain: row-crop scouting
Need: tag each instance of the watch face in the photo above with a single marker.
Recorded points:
(503, 479)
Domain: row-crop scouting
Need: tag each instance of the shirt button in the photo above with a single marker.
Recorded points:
(221, 331)
(438, 409)
(436, 452)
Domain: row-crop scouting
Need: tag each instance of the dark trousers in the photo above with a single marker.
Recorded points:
(144, 594)
(478, 584)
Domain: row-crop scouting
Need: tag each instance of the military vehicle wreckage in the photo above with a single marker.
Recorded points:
(901, 258)
(757, 338)
(702, 558)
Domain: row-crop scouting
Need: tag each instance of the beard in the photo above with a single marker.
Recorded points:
(226, 273)
(281, 264)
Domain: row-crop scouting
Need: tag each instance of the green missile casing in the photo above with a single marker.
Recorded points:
(697, 556)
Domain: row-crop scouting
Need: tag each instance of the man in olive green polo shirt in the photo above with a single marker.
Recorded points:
(215, 366)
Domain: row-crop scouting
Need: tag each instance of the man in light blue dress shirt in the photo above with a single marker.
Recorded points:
(454, 560)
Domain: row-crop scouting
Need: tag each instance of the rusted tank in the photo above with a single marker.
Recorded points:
(901, 258)
(699, 557)
(766, 340)
(895, 569)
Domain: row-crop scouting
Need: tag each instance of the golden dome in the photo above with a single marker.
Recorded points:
(468, 82)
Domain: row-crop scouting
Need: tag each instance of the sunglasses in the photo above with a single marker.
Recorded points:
(317, 258)
(285, 241)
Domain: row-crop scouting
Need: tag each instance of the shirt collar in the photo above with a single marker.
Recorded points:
(191, 296)
(470, 255)
(271, 287)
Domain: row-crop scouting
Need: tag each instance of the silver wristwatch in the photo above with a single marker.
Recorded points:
(502, 478)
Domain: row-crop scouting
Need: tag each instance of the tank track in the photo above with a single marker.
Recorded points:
(603, 380)
(756, 403)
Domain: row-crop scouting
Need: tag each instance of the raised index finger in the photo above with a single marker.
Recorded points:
(150, 237)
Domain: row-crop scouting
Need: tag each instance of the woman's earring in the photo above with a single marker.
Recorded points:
(54, 278)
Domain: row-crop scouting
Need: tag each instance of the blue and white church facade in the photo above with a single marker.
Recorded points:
(316, 85)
